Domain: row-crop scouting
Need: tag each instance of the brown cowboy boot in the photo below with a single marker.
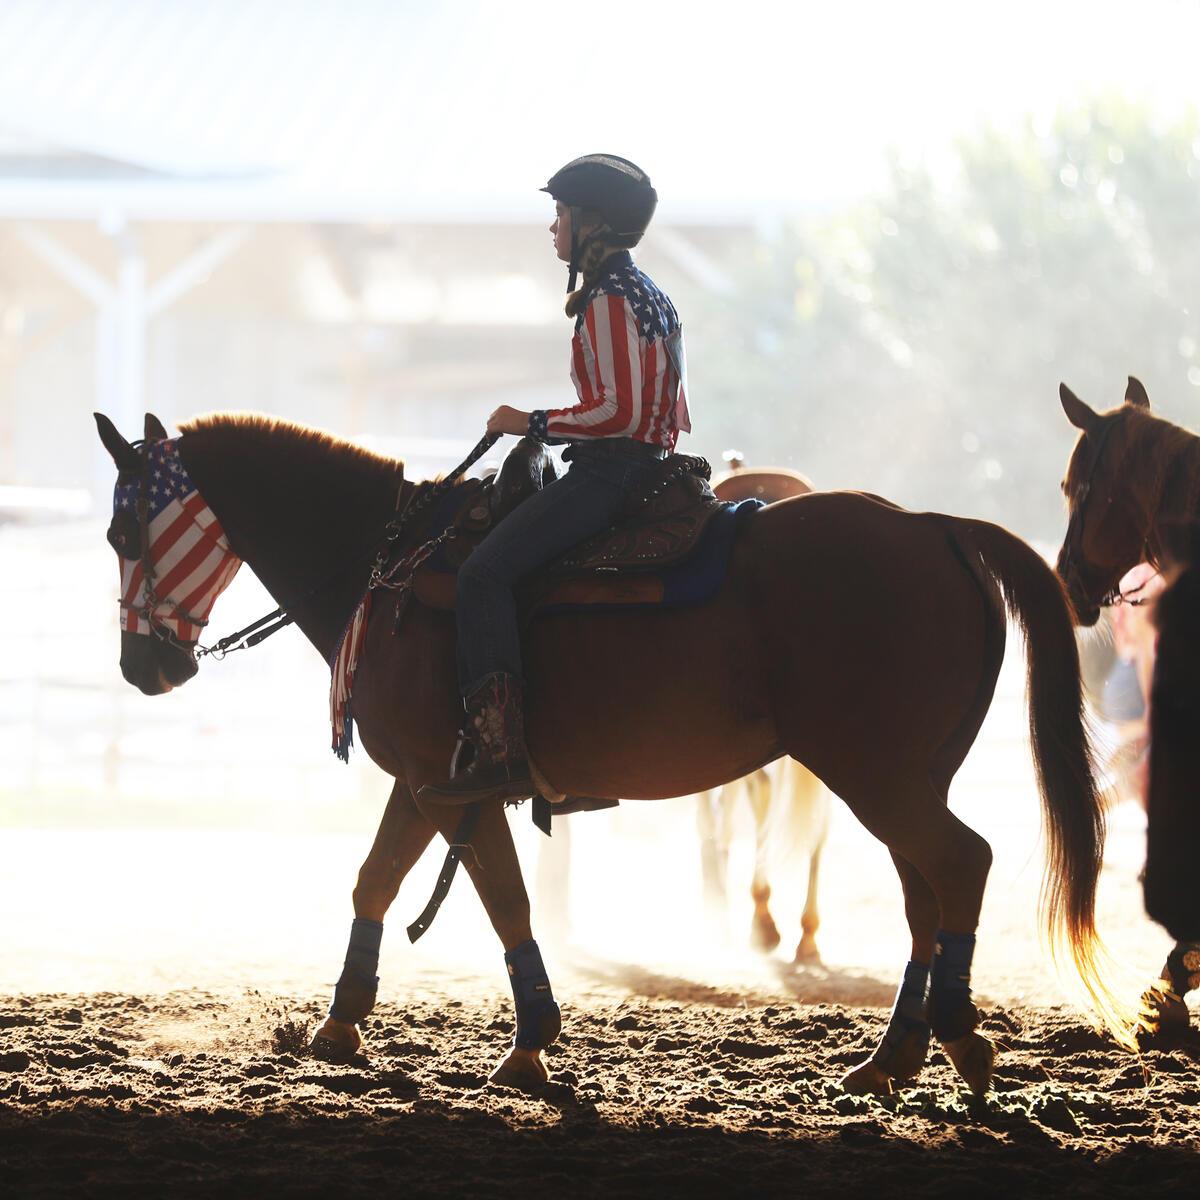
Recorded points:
(496, 727)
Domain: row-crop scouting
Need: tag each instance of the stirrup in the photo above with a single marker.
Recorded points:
(453, 792)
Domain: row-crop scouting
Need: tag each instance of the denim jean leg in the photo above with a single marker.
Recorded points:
(567, 511)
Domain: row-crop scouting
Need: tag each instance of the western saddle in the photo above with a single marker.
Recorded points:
(658, 529)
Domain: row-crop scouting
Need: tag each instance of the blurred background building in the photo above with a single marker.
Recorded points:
(890, 232)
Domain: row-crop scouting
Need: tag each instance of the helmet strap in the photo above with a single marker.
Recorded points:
(576, 215)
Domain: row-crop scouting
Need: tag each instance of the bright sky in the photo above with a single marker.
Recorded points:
(742, 104)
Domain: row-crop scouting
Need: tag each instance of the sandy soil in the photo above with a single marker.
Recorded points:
(661, 1086)
(156, 988)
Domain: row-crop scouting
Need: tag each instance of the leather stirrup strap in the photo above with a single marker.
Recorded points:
(461, 843)
(541, 812)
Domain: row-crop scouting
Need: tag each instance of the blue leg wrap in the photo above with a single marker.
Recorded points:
(354, 995)
(1183, 968)
(906, 1039)
(538, 1018)
(951, 1012)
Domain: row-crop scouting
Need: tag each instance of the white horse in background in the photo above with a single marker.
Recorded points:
(791, 808)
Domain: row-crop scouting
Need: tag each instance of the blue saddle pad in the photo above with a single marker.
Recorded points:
(695, 580)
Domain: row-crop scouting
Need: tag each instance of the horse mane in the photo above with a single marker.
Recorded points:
(1166, 457)
(300, 444)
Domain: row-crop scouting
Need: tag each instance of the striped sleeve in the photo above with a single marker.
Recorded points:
(607, 369)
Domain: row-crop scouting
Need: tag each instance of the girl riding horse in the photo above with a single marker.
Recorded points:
(628, 369)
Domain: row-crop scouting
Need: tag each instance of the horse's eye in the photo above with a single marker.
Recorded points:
(123, 535)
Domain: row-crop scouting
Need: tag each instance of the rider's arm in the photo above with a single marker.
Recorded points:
(607, 371)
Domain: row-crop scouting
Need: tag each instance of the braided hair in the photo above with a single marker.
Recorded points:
(589, 270)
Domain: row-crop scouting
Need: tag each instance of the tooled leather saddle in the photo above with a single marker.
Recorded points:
(659, 528)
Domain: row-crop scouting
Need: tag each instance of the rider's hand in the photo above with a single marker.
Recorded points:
(507, 419)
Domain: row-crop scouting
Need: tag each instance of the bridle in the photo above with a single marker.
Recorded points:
(408, 507)
(1073, 541)
(148, 609)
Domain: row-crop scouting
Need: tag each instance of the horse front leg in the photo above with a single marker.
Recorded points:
(404, 833)
(496, 873)
(764, 933)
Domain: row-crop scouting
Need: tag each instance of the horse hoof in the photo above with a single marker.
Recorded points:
(1165, 1020)
(972, 1056)
(522, 1069)
(807, 954)
(764, 935)
(867, 1079)
(335, 1042)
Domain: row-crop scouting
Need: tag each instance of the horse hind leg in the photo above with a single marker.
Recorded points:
(953, 860)
(807, 953)
(1165, 1016)
(902, 1050)
(811, 807)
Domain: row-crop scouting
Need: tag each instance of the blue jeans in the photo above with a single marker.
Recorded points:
(582, 503)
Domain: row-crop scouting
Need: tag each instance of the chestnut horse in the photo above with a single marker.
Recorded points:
(1133, 485)
(856, 637)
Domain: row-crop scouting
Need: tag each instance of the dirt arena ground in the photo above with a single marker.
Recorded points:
(152, 1026)
(157, 981)
(660, 1087)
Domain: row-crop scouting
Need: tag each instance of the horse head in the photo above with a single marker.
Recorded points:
(1107, 489)
(173, 555)
(1173, 816)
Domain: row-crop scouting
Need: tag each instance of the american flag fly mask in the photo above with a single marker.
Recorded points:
(190, 560)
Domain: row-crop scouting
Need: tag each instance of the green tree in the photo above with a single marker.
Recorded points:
(914, 346)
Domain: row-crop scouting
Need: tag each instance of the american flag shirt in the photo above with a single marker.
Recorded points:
(189, 553)
(627, 364)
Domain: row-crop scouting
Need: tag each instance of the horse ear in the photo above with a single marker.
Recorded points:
(123, 454)
(154, 429)
(1136, 394)
(1077, 412)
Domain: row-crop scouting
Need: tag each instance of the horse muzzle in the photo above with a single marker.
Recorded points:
(152, 666)
(1085, 612)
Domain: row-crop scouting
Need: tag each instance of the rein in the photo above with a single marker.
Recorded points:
(381, 575)
(1130, 597)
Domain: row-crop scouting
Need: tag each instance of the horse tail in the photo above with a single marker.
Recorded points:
(1072, 805)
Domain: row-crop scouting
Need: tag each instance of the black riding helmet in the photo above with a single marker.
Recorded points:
(620, 191)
